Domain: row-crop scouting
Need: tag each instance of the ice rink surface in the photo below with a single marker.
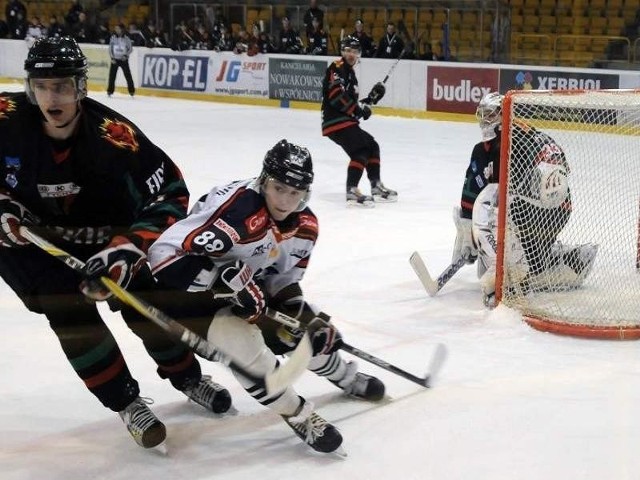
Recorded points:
(511, 403)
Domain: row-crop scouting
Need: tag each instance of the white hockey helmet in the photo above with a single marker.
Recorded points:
(489, 115)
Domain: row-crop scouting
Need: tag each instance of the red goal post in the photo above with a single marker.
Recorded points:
(599, 132)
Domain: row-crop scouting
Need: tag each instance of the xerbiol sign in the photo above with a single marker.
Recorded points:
(175, 72)
(296, 79)
(458, 90)
(525, 79)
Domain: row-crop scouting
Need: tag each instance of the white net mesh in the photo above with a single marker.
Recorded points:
(572, 216)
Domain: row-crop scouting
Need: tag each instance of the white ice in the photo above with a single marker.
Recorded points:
(510, 403)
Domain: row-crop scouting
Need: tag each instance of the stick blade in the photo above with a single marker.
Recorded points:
(286, 374)
(435, 365)
(430, 286)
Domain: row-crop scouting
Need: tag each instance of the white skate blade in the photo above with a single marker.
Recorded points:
(381, 199)
(365, 204)
(161, 449)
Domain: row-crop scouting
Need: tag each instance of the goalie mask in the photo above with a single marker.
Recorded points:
(489, 115)
(289, 164)
(57, 58)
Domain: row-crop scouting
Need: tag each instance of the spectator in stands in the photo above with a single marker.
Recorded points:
(390, 45)
(290, 41)
(73, 15)
(155, 38)
(366, 42)
(103, 33)
(55, 29)
(4, 29)
(245, 43)
(35, 30)
(312, 12)
(219, 20)
(120, 47)
(265, 43)
(19, 29)
(183, 37)
(83, 31)
(427, 52)
(136, 36)
(224, 42)
(203, 39)
(15, 13)
(317, 40)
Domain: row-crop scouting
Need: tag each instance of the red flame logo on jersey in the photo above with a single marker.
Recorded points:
(6, 107)
(120, 134)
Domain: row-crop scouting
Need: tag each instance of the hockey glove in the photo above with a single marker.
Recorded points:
(325, 338)
(464, 246)
(119, 261)
(376, 94)
(249, 299)
(362, 112)
(12, 215)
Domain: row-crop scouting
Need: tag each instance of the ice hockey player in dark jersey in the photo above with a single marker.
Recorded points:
(541, 192)
(91, 182)
(251, 241)
(341, 115)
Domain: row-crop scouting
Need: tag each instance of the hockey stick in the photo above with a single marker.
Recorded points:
(276, 381)
(430, 285)
(393, 67)
(437, 359)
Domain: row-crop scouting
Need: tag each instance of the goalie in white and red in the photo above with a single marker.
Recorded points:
(539, 208)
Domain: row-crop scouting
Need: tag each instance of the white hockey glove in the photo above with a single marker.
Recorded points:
(12, 215)
(549, 184)
(249, 299)
(464, 246)
(120, 261)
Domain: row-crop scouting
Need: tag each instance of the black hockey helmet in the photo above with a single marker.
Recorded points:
(55, 57)
(290, 164)
(350, 42)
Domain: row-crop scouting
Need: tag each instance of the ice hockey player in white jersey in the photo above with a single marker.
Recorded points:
(541, 192)
(250, 241)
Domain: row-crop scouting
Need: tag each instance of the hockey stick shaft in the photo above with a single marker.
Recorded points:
(432, 286)
(274, 382)
(436, 361)
(393, 67)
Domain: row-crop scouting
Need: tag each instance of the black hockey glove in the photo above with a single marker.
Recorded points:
(376, 94)
(363, 112)
(119, 261)
(250, 301)
(12, 215)
(325, 338)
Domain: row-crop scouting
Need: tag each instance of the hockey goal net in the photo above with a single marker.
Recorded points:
(599, 133)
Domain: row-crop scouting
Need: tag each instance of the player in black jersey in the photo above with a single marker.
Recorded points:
(539, 190)
(341, 115)
(90, 181)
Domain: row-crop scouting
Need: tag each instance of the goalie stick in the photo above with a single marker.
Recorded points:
(437, 359)
(274, 382)
(430, 285)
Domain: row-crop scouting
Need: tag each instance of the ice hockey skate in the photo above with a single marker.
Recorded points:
(314, 430)
(361, 385)
(382, 194)
(209, 394)
(144, 427)
(356, 198)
